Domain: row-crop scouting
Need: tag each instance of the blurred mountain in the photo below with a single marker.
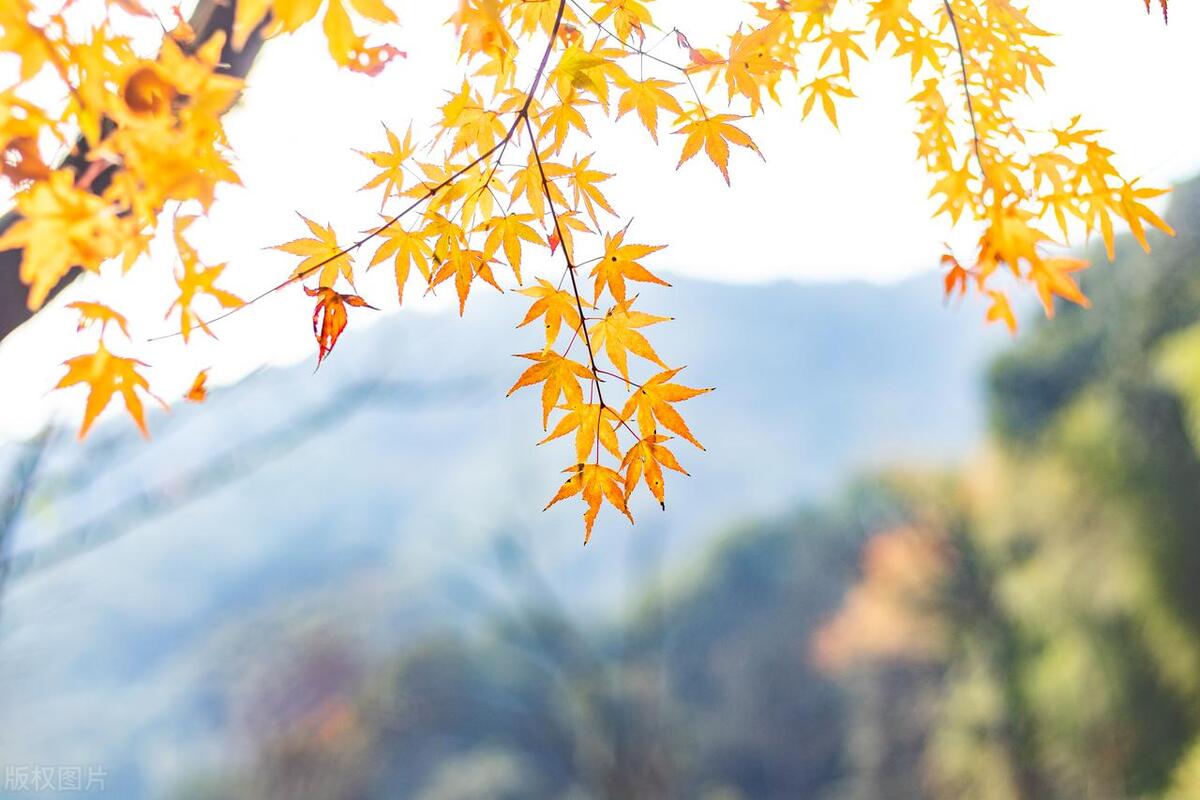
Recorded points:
(379, 498)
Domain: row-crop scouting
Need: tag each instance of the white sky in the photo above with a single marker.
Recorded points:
(825, 205)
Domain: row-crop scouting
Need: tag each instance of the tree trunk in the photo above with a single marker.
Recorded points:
(209, 17)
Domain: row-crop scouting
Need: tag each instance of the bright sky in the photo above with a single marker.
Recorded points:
(824, 206)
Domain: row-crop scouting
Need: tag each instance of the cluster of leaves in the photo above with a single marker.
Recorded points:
(144, 133)
(508, 170)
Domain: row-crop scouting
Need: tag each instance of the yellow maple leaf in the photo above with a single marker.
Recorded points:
(620, 263)
(390, 162)
(595, 426)
(61, 227)
(196, 280)
(322, 252)
(617, 333)
(557, 306)
(506, 232)
(464, 265)
(560, 377)
(406, 249)
(1001, 311)
(824, 89)
(647, 97)
(714, 133)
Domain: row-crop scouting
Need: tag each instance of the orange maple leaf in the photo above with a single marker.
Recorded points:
(620, 263)
(645, 460)
(1052, 276)
(329, 317)
(597, 484)
(653, 401)
(107, 374)
(322, 252)
(198, 392)
(92, 313)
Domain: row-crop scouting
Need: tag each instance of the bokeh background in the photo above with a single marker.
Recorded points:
(920, 558)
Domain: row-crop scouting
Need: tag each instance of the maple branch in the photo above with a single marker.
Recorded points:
(209, 18)
(499, 147)
(962, 61)
(587, 340)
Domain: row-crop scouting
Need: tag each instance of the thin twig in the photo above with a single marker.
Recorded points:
(962, 60)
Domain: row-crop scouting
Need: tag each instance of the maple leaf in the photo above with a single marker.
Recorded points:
(106, 374)
(323, 253)
(198, 392)
(196, 280)
(464, 265)
(405, 248)
(594, 426)
(620, 263)
(472, 123)
(955, 186)
(752, 65)
(824, 89)
(507, 231)
(391, 162)
(1001, 311)
(629, 17)
(714, 133)
(92, 313)
(1133, 211)
(61, 227)
(583, 181)
(843, 44)
(597, 484)
(347, 47)
(527, 183)
(560, 377)
(481, 29)
(558, 120)
(955, 278)
(920, 50)
(617, 333)
(647, 97)
(330, 318)
(1052, 276)
(590, 70)
(653, 401)
(568, 224)
(645, 460)
(557, 306)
